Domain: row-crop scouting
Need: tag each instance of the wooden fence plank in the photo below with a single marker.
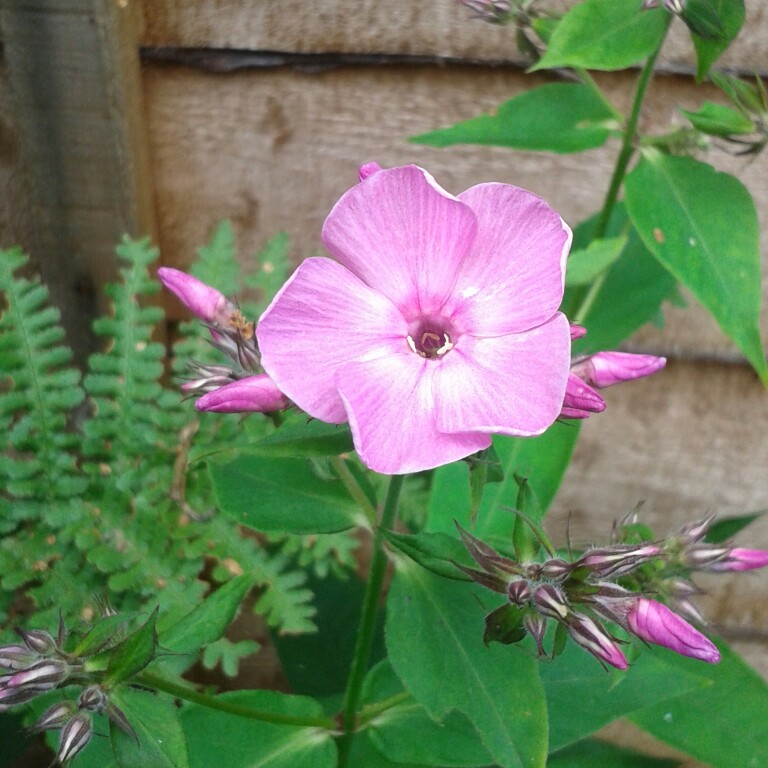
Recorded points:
(78, 115)
(273, 150)
(442, 28)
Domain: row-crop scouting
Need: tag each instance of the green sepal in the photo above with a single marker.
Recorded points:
(134, 653)
(504, 625)
(560, 640)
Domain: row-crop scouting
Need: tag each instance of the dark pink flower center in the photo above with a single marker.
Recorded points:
(430, 338)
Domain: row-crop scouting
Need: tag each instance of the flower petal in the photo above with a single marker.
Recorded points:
(511, 384)
(392, 416)
(399, 231)
(513, 279)
(322, 318)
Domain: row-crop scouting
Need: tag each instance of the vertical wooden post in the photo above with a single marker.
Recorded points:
(74, 74)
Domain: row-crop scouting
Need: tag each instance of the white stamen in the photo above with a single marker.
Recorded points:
(447, 346)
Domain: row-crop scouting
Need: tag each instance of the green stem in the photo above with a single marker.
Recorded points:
(181, 691)
(367, 620)
(619, 172)
(354, 489)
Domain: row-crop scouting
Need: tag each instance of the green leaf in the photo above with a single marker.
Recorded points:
(434, 636)
(576, 676)
(723, 725)
(282, 495)
(315, 438)
(719, 120)
(702, 226)
(107, 631)
(725, 528)
(702, 18)
(133, 654)
(155, 718)
(405, 733)
(558, 117)
(585, 264)
(591, 753)
(542, 460)
(604, 34)
(216, 738)
(708, 50)
(637, 277)
(434, 551)
(209, 620)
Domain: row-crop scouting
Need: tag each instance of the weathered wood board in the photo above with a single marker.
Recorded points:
(442, 28)
(274, 149)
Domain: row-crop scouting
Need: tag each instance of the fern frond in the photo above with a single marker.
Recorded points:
(134, 416)
(37, 394)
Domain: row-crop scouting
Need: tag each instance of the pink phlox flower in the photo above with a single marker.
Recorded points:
(740, 559)
(655, 623)
(253, 394)
(203, 301)
(435, 326)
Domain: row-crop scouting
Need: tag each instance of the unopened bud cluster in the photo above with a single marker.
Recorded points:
(607, 588)
(40, 664)
(237, 388)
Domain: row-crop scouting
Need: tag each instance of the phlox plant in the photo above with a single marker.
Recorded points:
(418, 389)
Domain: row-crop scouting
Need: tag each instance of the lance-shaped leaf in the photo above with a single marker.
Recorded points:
(134, 653)
(209, 620)
(730, 14)
(437, 552)
(558, 117)
(159, 742)
(702, 226)
(722, 725)
(217, 738)
(406, 734)
(269, 494)
(435, 641)
(604, 34)
(719, 120)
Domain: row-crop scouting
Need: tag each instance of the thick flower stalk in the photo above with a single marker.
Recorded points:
(436, 325)
(239, 388)
(607, 587)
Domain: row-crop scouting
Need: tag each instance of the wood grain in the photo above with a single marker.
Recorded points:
(274, 149)
(78, 117)
(441, 28)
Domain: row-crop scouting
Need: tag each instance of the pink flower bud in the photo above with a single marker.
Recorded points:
(254, 394)
(74, 736)
(40, 676)
(577, 331)
(367, 169)
(549, 601)
(202, 300)
(604, 369)
(593, 638)
(618, 560)
(580, 400)
(16, 657)
(655, 623)
(54, 717)
(739, 559)
(37, 640)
